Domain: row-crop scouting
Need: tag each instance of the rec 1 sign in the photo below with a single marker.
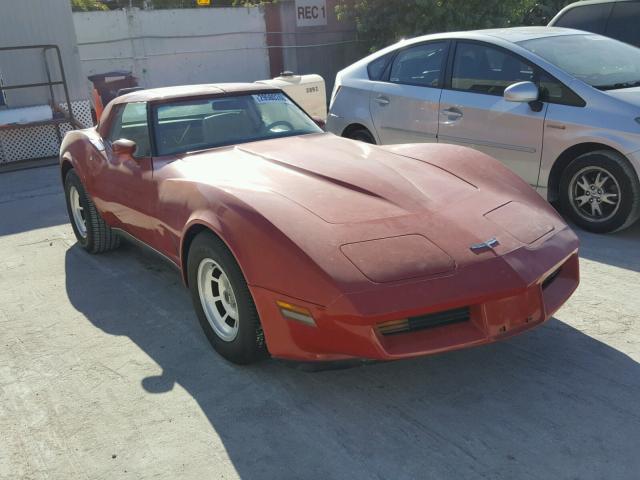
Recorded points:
(311, 13)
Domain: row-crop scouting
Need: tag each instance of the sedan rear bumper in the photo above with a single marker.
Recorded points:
(493, 300)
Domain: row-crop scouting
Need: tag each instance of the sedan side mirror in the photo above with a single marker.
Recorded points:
(522, 92)
(124, 147)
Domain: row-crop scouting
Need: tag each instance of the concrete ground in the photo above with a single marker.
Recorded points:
(105, 374)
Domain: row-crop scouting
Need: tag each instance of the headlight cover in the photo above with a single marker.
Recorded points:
(398, 258)
(522, 222)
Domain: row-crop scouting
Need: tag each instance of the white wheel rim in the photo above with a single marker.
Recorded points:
(77, 212)
(218, 299)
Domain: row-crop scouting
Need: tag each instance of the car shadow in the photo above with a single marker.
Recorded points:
(552, 403)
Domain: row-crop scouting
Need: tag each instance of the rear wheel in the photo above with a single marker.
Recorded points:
(360, 134)
(223, 302)
(600, 192)
(91, 231)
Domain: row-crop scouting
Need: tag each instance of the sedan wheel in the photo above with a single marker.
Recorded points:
(361, 134)
(595, 194)
(600, 192)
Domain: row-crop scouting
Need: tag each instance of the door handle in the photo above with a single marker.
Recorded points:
(453, 113)
(382, 100)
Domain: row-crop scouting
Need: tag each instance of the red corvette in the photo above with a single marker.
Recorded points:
(308, 246)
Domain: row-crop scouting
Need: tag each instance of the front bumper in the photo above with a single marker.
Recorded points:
(505, 295)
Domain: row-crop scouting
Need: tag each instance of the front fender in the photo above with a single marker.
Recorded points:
(254, 228)
(75, 150)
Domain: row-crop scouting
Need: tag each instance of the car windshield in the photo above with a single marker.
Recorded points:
(189, 125)
(601, 62)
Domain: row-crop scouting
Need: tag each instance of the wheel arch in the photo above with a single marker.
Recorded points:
(66, 164)
(352, 127)
(193, 229)
(565, 158)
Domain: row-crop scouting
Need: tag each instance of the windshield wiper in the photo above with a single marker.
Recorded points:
(615, 86)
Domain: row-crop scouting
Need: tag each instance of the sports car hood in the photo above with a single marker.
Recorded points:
(434, 200)
(343, 181)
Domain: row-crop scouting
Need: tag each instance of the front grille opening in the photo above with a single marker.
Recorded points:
(549, 280)
(424, 322)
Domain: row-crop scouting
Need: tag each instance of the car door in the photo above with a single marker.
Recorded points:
(404, 105)
(125, 187)
(474, 113)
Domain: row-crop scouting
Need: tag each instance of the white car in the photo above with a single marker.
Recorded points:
(560, 107)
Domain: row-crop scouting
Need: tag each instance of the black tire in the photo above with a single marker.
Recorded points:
(99, 236)
(360, 134)
(624, 186)
(249, 345)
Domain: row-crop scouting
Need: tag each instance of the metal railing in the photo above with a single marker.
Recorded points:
(68, 116)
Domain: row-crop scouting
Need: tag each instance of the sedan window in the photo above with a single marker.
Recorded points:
(420, 65)
(376, 68)
(483, 69)
(191, 125)
(554, 91)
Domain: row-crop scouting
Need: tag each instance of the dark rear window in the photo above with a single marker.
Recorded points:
(376, 68)
(419, 65)
(591, 18)
(624, 23)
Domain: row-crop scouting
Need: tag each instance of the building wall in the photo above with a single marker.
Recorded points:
(173, 47)
(188, 46)
(323, 49)
(29, 22)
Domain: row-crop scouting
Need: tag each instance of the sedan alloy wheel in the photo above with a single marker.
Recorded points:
(595, 194)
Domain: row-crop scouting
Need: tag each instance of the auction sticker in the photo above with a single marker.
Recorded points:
(270, 98)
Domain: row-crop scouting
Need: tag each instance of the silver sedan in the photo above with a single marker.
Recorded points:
(560, 107)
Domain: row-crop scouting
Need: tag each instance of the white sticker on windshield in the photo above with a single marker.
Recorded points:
(270, 97)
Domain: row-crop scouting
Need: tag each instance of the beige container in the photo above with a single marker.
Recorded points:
(308, 91)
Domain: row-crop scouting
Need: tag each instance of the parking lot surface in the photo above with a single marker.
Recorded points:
(105, 374)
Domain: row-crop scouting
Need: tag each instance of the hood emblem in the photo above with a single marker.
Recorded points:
(492, 242)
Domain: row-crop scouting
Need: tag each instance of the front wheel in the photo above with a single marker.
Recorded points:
(91, 231)
(600, 192)
(223, 302)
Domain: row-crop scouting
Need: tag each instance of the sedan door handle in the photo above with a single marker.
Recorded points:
(452, 113)
(382, 100)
